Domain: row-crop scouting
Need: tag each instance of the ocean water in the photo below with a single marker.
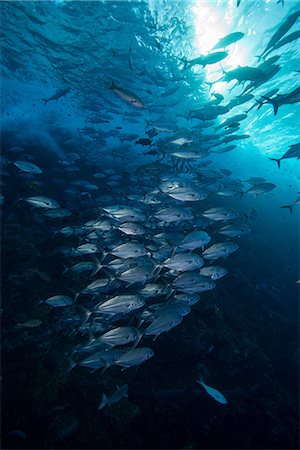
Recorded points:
(126, 127)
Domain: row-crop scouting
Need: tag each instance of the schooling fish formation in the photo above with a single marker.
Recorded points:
(139, 237)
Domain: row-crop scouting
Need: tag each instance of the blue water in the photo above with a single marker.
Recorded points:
(124, 88)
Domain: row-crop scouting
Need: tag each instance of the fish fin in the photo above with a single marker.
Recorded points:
(99, 266)
(273, 103)
(290, 207)
(104, 369)
(76, 294)
(65, 269)
(72, 364)
(277, 160)
(103, 402)
(200, 381)
(112, 85)
(210, 83)
(222, 68)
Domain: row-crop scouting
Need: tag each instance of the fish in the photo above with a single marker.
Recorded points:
(231, 120)
(144, 141)
(60, 93)
(165, 322)
(219, 250)
(229, 39)
(284, 99)
(183, 262)
(32, 323)
(242, 74)
(85, 249)
(240, 100)
(290, 207)
(289, 38)
(281, 31)
(132, 229)
(129, 250)
(181, 141)
(194, 240)
(193, 283)
(214, 393)
(121, 392)
(28, 167)
(121, 336)
(43, 202)
(126, 95)
(220, 214)
(261, 188)
(255, 180)
(139, 274)
(187, 194)
(188, 299)
(235, 230)
(58, 213)
(120, 304)
(102, 359)
(292, 152)
(174, 214)
(134, 357)
(204, 60)
(214, 272)
(85, 266)
(58, 301)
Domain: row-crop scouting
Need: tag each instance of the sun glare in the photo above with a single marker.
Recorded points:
(210, 26)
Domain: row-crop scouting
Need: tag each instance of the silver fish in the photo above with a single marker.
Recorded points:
(183, 262)
(192, 282)
(115, 397)
(195, 239)
(135, 357)
(220, 214)
(129, 250)
(28, 167)
(120, 304)
(121, 336)
(163, 323)
(220, 250)
(43, 202)
(58, 301)
(214, 272)
(235, 230)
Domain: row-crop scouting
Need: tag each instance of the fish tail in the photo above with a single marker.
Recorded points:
(277, 160)
(103, 402)
(65, 269)
(222, 68)
(290, 207)
(112, 84)
(259, 104)
(210, 83)
(98, 267)
(45, 101)
(72, 364)
(185, 62)
(200, 380)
